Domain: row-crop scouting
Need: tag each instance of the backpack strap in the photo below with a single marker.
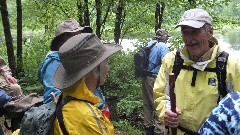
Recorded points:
(61, 102)
(220, 70)
(153, 45)
(221, 73)
(149, 73)
(187, 131)
(178, 64)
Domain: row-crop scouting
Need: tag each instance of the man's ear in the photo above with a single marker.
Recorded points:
(211, 31)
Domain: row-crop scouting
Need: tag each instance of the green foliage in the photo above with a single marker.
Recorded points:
(122, 83)
(121, 75)
(34, 51)
(233, 39)
(175, 41)
(123, 127)
(130, 105)
(3, 49)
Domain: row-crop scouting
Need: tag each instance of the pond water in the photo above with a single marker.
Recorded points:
(229, 41)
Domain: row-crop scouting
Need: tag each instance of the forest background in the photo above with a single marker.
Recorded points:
(28, 26)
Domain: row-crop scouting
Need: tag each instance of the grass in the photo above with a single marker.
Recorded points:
(123, 127)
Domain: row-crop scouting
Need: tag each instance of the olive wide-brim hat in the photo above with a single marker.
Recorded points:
(79, 55)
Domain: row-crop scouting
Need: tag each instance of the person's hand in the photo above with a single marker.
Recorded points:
(10, 79)
(171, 119)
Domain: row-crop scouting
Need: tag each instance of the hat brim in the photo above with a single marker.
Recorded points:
(191, 23)
(62, 79)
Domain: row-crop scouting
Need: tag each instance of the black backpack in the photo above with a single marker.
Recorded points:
(220, 70)
(141, 61)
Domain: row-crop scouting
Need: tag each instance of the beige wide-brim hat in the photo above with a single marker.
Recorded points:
(69, 26)
(79, 55)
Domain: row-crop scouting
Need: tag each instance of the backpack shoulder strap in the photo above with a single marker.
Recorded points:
(221, 64)
(178, 63)
(150, 49)
(151, 46)
(221, 72)
(61, 102)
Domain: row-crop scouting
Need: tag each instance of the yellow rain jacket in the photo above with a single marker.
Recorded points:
(195, 102)
(83, 118)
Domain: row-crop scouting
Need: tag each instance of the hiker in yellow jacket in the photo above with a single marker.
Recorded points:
(84, 66)
(195, 96)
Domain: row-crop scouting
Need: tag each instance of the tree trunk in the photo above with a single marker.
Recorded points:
(98, 17)
(192, 3)
(156, 16)
(19, 39)
(119, 16)
(110, 3)
(86, 14)
(8, 37)
(80, 10)
(83, 12)
(159, 15)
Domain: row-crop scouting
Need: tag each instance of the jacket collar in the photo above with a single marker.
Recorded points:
(80, 91)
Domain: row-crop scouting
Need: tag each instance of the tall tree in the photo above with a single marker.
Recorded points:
(100, 23)
(80, 7)
(83, 12)
(109, 4)
(98, 17)
(19, 38)
(159, 15)
(86, 13)
(8, 36)
(118, 21)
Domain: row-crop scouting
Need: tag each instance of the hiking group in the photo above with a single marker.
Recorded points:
(206, 85)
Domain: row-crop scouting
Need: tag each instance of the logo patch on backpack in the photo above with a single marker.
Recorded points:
(212, 81)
